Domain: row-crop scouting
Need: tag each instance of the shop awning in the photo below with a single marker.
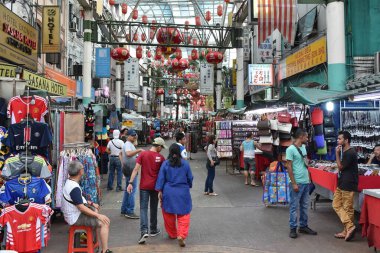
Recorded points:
(308, 96)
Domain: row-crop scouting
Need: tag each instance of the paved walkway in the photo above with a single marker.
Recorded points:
(235, 221)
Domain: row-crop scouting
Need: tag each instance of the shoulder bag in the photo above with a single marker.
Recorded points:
(263, 125)
(317, 116)
(274, 124)
(284, 117)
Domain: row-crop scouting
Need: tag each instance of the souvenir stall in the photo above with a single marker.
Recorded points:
(26, 173)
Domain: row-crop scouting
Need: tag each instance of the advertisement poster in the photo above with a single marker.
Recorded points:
(260, 74)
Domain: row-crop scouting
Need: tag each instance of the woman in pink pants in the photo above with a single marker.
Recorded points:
(174, 182)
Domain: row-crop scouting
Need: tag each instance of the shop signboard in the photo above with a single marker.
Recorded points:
(305, 58)
(7, 71)
(265, 51)
(103, 62)
(260, 74)
(51, 29)
(71, 84)
(207, 79)
(131, 75)
(41, 83)
(18, 40)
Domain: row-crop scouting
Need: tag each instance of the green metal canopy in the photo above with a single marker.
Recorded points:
(310, 96)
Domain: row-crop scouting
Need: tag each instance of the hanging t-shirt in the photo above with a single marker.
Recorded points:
(18, 108)
(40, 137)
(150, 162)
(24, 228)
(36, 191)
(36, 165)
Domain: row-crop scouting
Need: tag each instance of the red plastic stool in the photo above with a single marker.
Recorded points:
(91, 245)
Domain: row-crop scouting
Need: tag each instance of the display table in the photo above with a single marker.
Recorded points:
(262, 163)
(370, 219)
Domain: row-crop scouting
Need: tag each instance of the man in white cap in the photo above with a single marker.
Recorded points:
(114, 147)
(149, 162)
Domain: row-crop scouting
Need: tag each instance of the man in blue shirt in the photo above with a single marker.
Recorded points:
(299, 188)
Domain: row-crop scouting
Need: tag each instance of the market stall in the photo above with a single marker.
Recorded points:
(370, 218)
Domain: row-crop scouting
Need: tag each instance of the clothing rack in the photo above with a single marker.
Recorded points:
(76, 145)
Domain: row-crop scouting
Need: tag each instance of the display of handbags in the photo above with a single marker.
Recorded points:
(266, 139)
(263, 125)
(317, 116)
(318, 129)
(319, 141)
(285, 136)
(274, 124)
(284, 127)
(322, 151)
(265, 132)
(276, 141)
(330, 132)
(284, 117)
(328, 120)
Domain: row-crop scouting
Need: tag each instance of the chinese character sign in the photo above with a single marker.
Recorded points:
(131, 75)
(207, 79)
(261, 74)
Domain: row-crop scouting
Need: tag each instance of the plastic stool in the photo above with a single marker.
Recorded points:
(91, 245)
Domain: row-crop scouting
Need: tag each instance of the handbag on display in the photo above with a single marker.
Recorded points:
(322, 151)
(274, 124)
(284, 117)
(263, 125)
(330, 132)
(266, 139)
(318, 129)
(317, 117)
(285, 136)
(284, 127)
(294, 120)
(267, 147)
(286, 143)
(328, 120)
(265, 132)
(319, 141)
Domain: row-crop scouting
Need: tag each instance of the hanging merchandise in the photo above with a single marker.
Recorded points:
(284, 117)
(16, 165)
(18, 107)
(317, 116)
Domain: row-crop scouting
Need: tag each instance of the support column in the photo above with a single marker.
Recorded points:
(240, 78)
(336, 46)
(162, 106)
(218, 87)
(87, 57)
(118, 85)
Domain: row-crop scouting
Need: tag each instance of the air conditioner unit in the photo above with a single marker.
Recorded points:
(73, 26)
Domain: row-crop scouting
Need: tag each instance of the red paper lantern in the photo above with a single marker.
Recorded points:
(219, 10)
(183, 64)
(168, 50)
(120, 54)
(214, 57)
(124, 8)
(198, 21)
(158, 54)
(208, 16)
(136, 36)
(175, 64)
(160, 91)
(139, 52)
(169, 36)
(187, 23)
(144, 19)
(143, 37)
(227, 1)
(111, 2)
(149, 54)
(135, 14)
(194, 54)
(178, 54)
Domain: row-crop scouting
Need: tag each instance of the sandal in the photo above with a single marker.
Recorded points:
(213, 194)
(340, 235)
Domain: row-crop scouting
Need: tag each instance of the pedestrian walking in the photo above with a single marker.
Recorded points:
(299, 186)
(114, 148)
(343, 202)
(181, 142)
(149, 162)
(128, 158)
(174, 182)
(248, 149)
(212, 157)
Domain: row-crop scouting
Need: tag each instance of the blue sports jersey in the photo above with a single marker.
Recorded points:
(37, 190)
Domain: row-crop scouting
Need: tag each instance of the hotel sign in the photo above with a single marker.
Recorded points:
(18, 40)
(42, 83)
(51, 40)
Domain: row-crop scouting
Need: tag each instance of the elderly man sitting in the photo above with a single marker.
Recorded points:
(80, 212)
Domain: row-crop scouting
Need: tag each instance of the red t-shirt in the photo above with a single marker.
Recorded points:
(24, 228)
(150, 162)
(18, 108)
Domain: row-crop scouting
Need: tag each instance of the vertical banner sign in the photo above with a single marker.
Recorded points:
(103, 62)
(207, 79)
(131, 75)
(246, 48)
(260, 74)
(51, 28)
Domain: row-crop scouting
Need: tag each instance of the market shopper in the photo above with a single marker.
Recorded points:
(210, 165)
(375, 156)
(343, 202)
(149, 162)
(299, 186)
(181, 142)
(248, 149)
(114, 148)
(174, 182)
(128, 158)
(80, 212)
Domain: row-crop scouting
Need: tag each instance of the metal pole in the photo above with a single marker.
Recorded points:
(87, 57)
(218, 87)
(118, 85)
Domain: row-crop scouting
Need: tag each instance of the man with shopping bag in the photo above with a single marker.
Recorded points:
(299, 186)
